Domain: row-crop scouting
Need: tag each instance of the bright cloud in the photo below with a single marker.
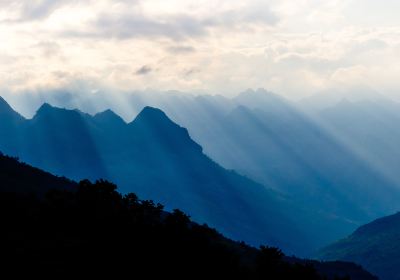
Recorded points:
(291, 47)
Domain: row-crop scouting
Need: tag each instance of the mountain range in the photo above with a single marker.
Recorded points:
(326, 171)
(155, 158)
(337, 164)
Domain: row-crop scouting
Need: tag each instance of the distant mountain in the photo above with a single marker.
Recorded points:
(90, 229)
(262, 99)
(371, 129)
(375, 245)
(328, 98)
(157, 159)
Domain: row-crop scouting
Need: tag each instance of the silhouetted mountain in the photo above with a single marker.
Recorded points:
(93, 231)
(157, 159)
(18, 177)
(375, 245)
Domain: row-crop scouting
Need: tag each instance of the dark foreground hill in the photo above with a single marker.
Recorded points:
(19, 177)
(90, 230)
(375, 245)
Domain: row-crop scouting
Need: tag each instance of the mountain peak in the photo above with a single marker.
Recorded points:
(47, 110)
(6, 109)
(44, 108)
(110, 117)
(260, 98)
(107, 114)
(151, 114)
(152, 111)
(153, 121)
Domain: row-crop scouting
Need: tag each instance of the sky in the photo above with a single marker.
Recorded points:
(294, 48)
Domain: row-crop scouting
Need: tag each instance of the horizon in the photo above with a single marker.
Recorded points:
(27, 104)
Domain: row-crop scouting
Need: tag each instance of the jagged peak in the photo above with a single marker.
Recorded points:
(108, 115)
(6, 109)
(151, 114)
(45, 106)
(155, 120)
(47, 109)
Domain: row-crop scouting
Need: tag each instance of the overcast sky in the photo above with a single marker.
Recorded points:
(291, 47)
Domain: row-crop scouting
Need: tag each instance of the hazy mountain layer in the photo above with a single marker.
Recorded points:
(333, 169)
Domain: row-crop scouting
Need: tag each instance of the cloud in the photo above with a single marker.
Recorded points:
(144, 70)
(23, 11)
(49, 49)
(181, 49)
(33, 10)
(191, 71)
(129, 26)
(224, 46)
(129, 22)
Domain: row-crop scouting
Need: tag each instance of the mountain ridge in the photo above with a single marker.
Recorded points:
(156, 158)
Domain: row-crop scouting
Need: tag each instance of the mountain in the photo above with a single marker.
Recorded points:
(9, 125)
(375, 245)
(92, 230)
(311, 170)
(157, 159)
(54, 138)
(301, 156)
(328, 98)
(370, 128)
(262, 99)
(19, 177)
